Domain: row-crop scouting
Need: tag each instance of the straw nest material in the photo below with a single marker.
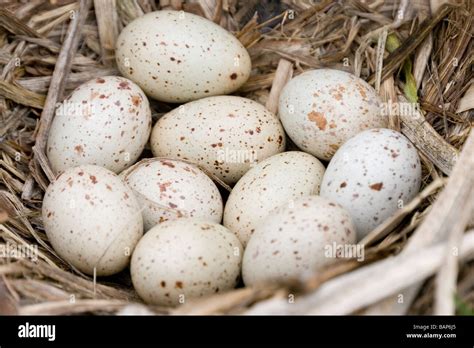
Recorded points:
(410, 51)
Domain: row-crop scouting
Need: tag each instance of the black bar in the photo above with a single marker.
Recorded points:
(241, 330)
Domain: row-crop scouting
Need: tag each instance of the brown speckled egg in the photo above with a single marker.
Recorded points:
(297, 239)
(105, 121)
(182, 259)
(168, 189)
(321, 109)
(92, 219)
(225, 135)
(372, 175)
(273, 182)
(178, 57)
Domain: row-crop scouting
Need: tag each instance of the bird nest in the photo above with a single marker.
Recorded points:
(416, 52)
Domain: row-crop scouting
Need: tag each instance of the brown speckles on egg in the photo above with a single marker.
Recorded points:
(167, 163)
(124, 85)
(318, 118)
(136, 100)
(70, 182)
(377, 186)
(163, 186)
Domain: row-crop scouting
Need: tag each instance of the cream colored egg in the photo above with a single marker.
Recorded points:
(321, 109)
(92, 219)
(182, 259)
(298, 240)
(225, 135)
(106, 121)
(168, 189)
(373, 175)
(178, 57)
(274, 181)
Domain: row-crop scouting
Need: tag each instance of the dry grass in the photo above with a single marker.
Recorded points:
(408, 53)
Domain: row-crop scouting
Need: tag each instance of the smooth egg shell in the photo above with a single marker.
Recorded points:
(106, 121)
(372, 175)
(321, 109)
(178, 57)
(273, 182)
(182, 259)
(92, 219)
(293, 241)
(224, 134)
(168, 189)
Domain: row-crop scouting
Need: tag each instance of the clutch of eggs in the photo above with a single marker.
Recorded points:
(273, 211)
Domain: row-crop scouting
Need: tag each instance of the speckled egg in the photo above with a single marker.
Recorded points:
(273, 182)
(321, 109)
(372, 175)
(92, 219)
(297, 239)
(182, 259)
(178, 57)
(225, 135)
(105, 121)
(168, 189)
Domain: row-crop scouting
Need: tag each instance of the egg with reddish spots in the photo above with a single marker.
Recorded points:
(271, 183)
(169, 189)
(321, 109)
(225, 135)
(92, 219)
(105, 121)
(373, 175)
(177, 56)
(297, 240)
(182, 259)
